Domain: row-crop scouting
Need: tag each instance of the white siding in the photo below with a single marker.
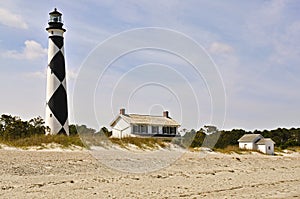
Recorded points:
(121, 129)
(247, 145)
(250, 145)
(270, 148)
(267, 148)
(262, 148)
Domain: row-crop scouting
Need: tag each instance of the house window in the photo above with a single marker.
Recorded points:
(135, 129)
(173, 130)
(144, 129)
(169, 130)
(154, 129)
(166, 130)
(269, 147)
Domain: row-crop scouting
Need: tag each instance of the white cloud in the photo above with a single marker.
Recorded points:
(12, 20)
(217, 47)
(32, 50)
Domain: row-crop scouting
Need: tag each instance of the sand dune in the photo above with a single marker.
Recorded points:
(77, 174)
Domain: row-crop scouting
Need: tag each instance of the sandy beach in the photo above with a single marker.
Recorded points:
(78, 174)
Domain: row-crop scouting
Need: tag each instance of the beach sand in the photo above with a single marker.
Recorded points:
(77, 174)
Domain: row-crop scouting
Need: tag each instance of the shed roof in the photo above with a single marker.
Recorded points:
(249, 137)
(264, 141)
(147, 119)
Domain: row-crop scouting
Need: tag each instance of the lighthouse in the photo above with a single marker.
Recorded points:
(56, 96)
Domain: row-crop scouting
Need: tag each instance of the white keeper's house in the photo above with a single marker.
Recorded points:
(135, 125)
(257, 142)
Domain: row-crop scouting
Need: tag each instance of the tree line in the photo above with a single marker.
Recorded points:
(282, 137)
(12, 128)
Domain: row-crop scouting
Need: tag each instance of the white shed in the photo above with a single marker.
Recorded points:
(266, 145)
(257, 142)
(248, 141)
(135, 125)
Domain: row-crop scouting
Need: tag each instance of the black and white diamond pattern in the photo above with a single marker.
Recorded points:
(57, 106)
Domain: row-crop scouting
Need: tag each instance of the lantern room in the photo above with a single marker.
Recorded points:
(55, 20)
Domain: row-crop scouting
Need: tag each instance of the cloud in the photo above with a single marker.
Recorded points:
(32, 50)
(10, 19)
(217, 47)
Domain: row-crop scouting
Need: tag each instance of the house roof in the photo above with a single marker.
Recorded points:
(249, 137)
(147, 119)
(264, 141)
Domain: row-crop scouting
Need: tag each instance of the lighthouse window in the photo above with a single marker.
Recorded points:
(55, 18)
(50, 114)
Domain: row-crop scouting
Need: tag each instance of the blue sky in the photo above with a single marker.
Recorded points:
(254, 45)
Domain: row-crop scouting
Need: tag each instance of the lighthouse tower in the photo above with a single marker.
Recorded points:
(56, 96)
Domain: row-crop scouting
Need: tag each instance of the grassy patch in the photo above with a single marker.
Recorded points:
(231, 149)
(278, 150)
(41, 140)
(142, 143)
(291, 148)
(294, 149)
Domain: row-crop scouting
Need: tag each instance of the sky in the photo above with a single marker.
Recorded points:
(247, 74)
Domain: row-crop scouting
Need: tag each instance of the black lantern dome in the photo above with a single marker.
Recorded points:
(55, 21)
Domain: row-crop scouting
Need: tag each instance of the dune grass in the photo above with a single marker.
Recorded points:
(295, 148)
(142, 143)
(40, 140)
(231, 149)
(291, 148)
(67, 141)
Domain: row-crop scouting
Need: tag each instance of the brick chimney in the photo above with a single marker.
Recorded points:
(166, 114)
(122, 111)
